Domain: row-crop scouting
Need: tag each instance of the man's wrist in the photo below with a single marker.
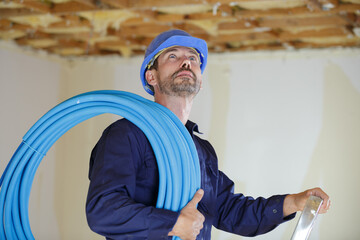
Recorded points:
(289, 205)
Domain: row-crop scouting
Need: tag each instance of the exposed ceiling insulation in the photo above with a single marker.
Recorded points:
(126, 27)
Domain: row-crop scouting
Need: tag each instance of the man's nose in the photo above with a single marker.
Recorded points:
(186, 63)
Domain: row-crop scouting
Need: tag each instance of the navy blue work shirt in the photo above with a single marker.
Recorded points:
(124, 183)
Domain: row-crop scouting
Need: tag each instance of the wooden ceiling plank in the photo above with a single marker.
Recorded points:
(5, 24)
(333, 40)
(136, 21)
(146, 29)
(23, 41)
(307, 44)
(243, 37)
(314, 5)
(117, 3)
(223, 10)
(342, 7)
(95, 40)
(272, 12)
(33, 36)
(239, 24)
(256, 47)
(322, 5)
(68, 30)
(266, 4)
(124, 48)
(72, 43)
(16, 12)
(38, 35)
(323, 33)
(35, 5)
(161, 3)
(334, 20)
(68, 51)
(23, 27)
(42, 43)
(209, 27)
(71, 21)
(36, 21)
(295, 12)
(104, 44)
(76, 36)
(191, 28)
(9, 5)
(347, 7)
(89, 3)
(350, 18)
(233, 2)
(11, 34)
(170, 17)
(207, 15)
(256, 42)
(72, 7)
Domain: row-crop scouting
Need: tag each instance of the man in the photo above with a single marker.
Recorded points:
(124, 176)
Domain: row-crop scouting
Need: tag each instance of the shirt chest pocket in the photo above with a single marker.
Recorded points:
(148, 169)
(147, 182)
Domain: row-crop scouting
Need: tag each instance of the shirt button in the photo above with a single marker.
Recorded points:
(274, 211)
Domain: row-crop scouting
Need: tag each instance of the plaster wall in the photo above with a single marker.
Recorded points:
(281, 122)
(29, 87)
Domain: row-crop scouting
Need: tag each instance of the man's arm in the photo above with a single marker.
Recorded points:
(296, 202)
(116, 206)
(244, 215)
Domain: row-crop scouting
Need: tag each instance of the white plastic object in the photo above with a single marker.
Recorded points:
(307, 218)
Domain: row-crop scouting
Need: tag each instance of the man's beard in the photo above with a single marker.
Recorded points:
(183, 86)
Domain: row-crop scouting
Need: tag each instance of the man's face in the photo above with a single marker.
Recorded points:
(179, 72)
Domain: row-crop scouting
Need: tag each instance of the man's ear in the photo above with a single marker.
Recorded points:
(150, 77)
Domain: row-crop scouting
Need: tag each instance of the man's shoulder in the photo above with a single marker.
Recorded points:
(125, 126)
(122, 122)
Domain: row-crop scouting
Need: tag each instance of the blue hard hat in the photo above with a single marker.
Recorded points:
(168, 39)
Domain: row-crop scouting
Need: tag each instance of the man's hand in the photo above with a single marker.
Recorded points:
(296, 202)
(190, 220)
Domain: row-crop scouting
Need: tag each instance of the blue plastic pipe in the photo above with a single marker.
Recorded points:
(176, 155)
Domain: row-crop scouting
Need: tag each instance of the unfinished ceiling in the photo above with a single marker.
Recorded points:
(126, 27)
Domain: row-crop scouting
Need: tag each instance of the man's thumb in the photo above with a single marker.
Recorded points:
(197, 197)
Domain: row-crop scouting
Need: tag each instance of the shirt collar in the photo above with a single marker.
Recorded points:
(192, 127)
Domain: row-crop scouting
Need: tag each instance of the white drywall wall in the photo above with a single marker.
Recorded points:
(281, 122)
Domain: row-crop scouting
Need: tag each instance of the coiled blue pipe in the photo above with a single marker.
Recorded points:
(179, 170)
